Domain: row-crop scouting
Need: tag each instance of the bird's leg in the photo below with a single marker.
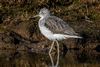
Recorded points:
(52, 62)
(51, 47)
(50, 54)
(58, 54)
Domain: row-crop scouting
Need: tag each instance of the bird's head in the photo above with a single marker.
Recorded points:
(44, 12)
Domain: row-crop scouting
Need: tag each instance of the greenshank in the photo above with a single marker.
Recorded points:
(54, 28)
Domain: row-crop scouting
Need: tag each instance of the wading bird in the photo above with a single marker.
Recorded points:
(54, 28)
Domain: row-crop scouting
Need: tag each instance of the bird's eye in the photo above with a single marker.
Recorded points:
(43, 12)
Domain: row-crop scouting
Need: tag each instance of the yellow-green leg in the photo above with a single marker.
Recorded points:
(58, 54)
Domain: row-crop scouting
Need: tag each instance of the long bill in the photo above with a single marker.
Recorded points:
(36, 16)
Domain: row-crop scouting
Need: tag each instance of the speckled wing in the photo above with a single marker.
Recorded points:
(58, 26)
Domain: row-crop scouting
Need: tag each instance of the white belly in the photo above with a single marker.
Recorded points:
(47, 33)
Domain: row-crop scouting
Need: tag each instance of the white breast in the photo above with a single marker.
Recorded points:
(47, 33)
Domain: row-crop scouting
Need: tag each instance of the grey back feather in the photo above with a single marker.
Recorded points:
(57, 25)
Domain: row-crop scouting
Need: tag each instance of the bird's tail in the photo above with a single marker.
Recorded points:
(72, 36)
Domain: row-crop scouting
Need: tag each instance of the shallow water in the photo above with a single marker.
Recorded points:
(72, 58)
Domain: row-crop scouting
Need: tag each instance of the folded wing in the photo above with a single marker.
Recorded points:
(58, 26)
